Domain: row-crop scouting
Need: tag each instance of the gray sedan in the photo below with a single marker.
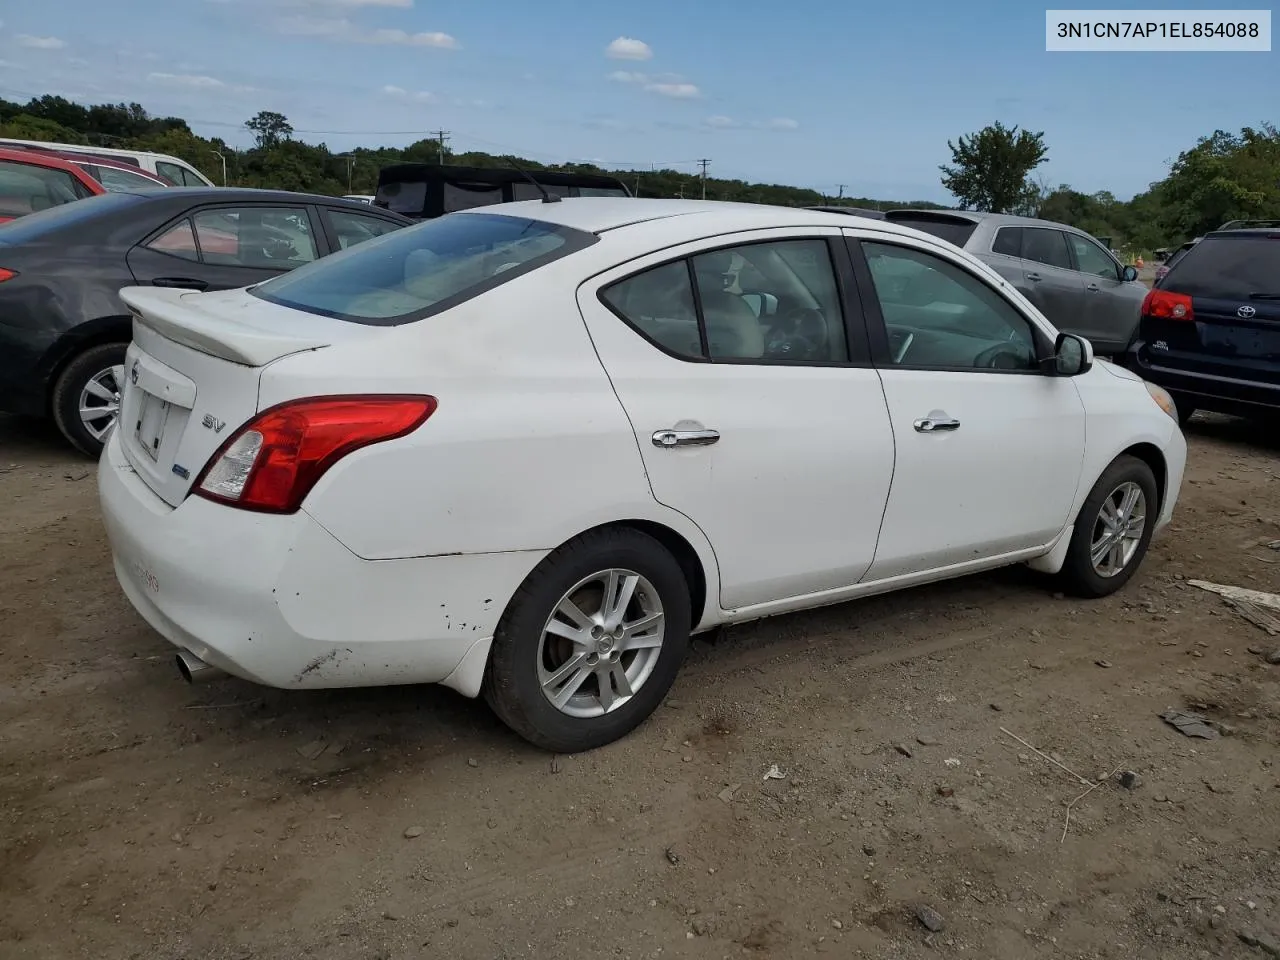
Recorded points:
(1075, 281)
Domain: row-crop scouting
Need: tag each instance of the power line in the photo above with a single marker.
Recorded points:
(442, 136)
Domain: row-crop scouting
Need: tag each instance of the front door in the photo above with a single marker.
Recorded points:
(1112, 305)
(744, 372)
(989, 450)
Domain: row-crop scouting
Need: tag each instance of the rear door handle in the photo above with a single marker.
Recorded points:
(685, 438)
(932, 424)
(182, 283)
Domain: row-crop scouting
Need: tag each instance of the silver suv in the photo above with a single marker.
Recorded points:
(1075, 281)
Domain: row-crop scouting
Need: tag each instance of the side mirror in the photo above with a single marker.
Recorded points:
(1072, 356)
(1130, 274)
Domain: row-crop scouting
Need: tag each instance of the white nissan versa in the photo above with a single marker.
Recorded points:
(529, 449)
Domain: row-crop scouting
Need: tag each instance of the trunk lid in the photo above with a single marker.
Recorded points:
(192, 375)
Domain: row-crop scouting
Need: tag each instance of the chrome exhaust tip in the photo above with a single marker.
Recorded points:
(195, 670)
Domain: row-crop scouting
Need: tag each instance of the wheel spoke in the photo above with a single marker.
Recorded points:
(99, 390)
(97, 413)
(1109, 515)
(1116, 560)
(620, 589)
(571, 611)
(643, 633)
(564, 683)
(614, 686)
(1131, 495)
(568, 631)
(1100, 551)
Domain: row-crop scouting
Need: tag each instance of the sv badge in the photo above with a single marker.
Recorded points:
(210, 422)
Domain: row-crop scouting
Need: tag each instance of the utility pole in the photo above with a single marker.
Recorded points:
(840, 196)
(351, 162)
(703, 164)
(221, 156)
(442, 136)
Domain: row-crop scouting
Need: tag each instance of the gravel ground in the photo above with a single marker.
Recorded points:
(143, 818)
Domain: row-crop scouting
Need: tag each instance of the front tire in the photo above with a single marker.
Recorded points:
(1113, 530)
(591, 642)
(86, 397)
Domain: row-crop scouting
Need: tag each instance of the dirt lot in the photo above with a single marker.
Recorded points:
(141, 817)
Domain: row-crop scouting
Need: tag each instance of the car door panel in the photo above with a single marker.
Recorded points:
(1112, 304)
(1048, 280)
(987, 460)
(791, 491)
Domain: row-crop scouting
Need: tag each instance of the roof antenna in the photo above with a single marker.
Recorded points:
(547, 196)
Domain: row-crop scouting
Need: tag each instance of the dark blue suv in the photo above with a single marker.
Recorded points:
(1210, 332)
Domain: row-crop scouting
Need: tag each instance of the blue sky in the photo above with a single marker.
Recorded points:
(812, 92)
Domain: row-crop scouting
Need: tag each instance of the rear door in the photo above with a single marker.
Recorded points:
(1234, 285)
(1050, 280)
(225, 246)
(767, 428)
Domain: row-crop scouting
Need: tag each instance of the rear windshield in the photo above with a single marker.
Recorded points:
(1229, 268)
(36, 226)
(951, 230)
(418, 271)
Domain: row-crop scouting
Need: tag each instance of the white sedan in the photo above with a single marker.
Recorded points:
(529, 449)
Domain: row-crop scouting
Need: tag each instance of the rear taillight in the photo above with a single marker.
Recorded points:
(1167, 306)
(7, 274)
(272, 462)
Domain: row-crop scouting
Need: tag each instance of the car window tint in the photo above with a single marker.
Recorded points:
(941, 316)
(408, 198)
(771, 301)
(464, 196)
(352, 228)
(1092, 259)
(170, 171)
(273, 238)
(659, 304)
(1045, 246)
(1008, 242)
(955, 230)
(409, 274)
(178, 240)
(1239, 268)
(28, 188)
(527, 191)
(120, 181)
(191, 178)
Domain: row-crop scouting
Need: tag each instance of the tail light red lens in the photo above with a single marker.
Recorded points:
(1165, 305)
(7, 274)
(272, 462)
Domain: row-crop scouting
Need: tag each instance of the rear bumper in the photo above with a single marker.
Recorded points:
(1219, 392)
(278, 601)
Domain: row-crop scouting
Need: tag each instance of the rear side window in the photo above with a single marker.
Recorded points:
(951, 229)
(69, 216)
(464, 196)
(352, 228)
(1229, 268)
(407, 198)
(1008, 242)
(28, 188)
(418, 271)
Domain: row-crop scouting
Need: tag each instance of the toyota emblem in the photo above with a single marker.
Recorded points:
(1246, 312)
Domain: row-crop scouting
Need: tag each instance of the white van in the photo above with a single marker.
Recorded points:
(178, 171)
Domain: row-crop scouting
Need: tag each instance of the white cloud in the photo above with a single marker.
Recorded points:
(196, 82)
(720, 122)
(340, 28)
(627, 48)
(40, 43)
(400, 93)
(677, 91)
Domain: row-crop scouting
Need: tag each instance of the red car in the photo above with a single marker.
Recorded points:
(31, 181)
(116, 175)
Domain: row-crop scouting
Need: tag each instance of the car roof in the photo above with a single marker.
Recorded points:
(601, 214)
(1243, 232)
(980, 216)
(39, 159)
(254, 195)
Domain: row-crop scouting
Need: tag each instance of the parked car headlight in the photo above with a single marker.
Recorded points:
(1163, 400)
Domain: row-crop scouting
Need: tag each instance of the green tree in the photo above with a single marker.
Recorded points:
(991, 169)
(1225, 177)
(269, 128)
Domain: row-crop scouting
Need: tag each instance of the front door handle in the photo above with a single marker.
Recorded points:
(1034, 277)
(685, 438)
(181, 283)
(1093, 288)
(932, 424)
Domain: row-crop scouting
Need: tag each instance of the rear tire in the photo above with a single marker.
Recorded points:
(539, 656)
(1113, 530)
(86, 397)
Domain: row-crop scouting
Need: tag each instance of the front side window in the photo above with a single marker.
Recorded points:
(272, 238)
(938, 315)
(171, 172)
(1092, 259)
(418, 271)
(768, 302)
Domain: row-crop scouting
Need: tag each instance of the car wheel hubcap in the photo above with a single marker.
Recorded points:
(600, 643)
(100, 401)
(1118, 529)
